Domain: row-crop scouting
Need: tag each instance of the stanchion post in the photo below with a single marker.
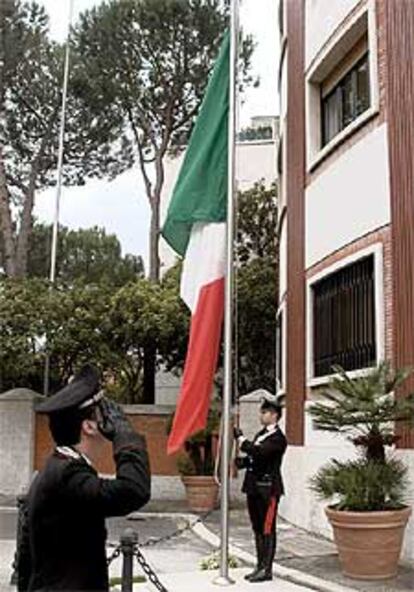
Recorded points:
(129, 539)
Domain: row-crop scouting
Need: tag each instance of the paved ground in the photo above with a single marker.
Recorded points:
(176, 561)
(311, 555)
(303, 561)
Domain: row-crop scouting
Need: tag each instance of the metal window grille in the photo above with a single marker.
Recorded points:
(344, 319)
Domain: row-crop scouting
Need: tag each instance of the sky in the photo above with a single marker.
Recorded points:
(120, 206)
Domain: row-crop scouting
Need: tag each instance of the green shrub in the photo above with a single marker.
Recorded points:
(366, 409)
(362, 485)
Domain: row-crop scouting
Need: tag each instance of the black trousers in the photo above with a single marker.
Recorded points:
(263, 513)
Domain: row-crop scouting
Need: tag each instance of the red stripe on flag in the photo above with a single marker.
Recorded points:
(270, 516)
(200, 366)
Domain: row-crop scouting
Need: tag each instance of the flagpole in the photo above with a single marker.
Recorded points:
(223, 579)
(53, 256)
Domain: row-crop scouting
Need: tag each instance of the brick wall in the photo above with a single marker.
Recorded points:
(151, 425)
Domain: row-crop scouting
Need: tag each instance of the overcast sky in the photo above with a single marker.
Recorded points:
(121, 206)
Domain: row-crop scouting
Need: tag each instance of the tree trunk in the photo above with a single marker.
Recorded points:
(154, 259)
(154, 275)
(148, 397)
(6, 224)
(27, 217)
(22, 249)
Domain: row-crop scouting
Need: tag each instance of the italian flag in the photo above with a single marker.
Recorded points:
(195, 228)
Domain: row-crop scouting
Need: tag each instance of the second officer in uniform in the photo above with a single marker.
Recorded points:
(263, 483)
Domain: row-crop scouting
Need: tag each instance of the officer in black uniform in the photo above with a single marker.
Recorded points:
(263, 483)
(63, 544)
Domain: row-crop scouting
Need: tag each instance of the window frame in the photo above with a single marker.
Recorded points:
(342, 42)
(338, 89)
(377, 251)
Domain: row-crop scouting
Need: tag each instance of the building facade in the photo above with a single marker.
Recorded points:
(346, 175)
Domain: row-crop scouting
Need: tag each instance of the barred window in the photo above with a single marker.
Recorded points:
(344, 319)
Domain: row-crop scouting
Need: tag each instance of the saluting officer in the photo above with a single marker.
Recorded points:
(263, 483)
(63, 544)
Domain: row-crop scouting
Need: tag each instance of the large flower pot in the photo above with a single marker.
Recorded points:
(369, 543)
(201, 492)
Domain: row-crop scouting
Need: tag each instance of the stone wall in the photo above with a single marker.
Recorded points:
(17, 439)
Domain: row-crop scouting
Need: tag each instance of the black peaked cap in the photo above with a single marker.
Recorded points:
(270, 402)
(83, 387)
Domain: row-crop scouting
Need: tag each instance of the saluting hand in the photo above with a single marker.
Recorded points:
(237, 432)
(113, 421)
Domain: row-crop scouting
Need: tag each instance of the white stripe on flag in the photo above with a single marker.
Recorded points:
(204, 260)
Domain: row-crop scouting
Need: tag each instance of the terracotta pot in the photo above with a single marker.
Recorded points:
(201, 492)
(369, 543)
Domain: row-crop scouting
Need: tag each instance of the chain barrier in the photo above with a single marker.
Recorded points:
(116, 553)
(152, 576)
(135, 548)
(179, 531)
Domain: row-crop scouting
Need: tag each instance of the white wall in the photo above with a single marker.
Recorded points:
(255, 161)
(350, 198)
(17, 433)
(322, 18)
(284, 90)
(171, 169)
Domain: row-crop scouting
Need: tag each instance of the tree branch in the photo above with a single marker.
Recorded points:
(30, 108)
(141, 157)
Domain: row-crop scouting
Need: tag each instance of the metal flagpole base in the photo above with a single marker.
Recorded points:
(223, 581)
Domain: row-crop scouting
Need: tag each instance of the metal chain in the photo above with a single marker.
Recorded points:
(115, 555)
(152, 576)
(155, 541)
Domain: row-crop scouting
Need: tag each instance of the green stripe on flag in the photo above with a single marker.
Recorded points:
(200, 194)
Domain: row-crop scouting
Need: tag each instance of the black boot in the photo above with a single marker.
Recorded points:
(264, 574)
(259, 554)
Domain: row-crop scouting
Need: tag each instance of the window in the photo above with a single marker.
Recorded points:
(344, 319)
(346, 101)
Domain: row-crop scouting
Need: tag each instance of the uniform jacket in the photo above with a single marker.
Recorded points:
(63, 546)
(264, 459)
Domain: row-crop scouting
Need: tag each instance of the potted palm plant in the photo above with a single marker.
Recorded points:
(369, 511)
(196, 465)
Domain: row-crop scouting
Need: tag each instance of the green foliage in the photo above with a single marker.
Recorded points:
(199, 458)
(22, 310)
(116, 580)
(91, 322)
(148, 62)
(151, 60)
(213, 562)
(250, 134)
(366, 409)
(363, 485)
(30, 103)
(257, 217)
(256, 285)
(86, 255)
